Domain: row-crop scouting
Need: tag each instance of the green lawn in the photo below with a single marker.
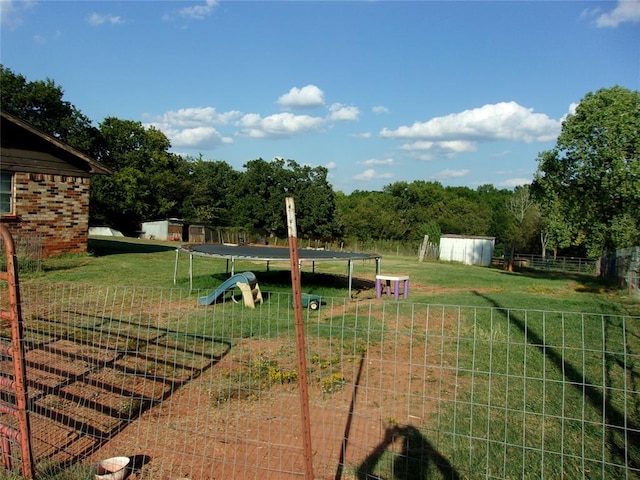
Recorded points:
(132, 262)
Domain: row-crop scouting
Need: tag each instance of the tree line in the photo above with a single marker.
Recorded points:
(584, 197)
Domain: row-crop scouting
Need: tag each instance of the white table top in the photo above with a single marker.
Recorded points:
(392, 277)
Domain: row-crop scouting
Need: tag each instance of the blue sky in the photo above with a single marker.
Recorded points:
(464, 93)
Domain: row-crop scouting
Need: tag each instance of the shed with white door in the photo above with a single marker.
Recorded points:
(469, 250)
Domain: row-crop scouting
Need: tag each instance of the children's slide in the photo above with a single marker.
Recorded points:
(244, 279)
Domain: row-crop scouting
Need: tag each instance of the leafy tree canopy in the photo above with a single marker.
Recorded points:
(210, 191)
(262, 190)
(591, 179)
(41, 104)
(146, 183)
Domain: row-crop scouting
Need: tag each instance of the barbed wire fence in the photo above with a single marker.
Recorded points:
(396, 389)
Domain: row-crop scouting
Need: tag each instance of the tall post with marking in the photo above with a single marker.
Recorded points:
(302, 357)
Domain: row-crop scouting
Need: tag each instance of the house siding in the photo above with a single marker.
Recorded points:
(53, 207)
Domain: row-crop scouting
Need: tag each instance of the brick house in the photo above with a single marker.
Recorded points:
(44, 187)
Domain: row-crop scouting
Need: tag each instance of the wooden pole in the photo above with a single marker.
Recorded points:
(423, 248)
(302, 357)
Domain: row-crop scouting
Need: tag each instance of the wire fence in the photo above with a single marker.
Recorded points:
(559, 263)
(29, 249)
(397, 390)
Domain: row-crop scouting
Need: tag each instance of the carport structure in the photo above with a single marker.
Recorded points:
(269, 254)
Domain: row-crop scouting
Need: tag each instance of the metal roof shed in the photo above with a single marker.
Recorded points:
(168, 229)
(469, 250)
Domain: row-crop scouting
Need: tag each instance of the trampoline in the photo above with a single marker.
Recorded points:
(269, 254)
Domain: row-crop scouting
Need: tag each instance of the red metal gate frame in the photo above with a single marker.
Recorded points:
(16, 351)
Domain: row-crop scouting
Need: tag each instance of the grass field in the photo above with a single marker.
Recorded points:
(135, 262)
(545, 363)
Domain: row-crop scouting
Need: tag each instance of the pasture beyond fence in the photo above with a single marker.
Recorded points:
(397, 389)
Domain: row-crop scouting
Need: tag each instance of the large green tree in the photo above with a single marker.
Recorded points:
(261, 193)
(554, 230)
(497, 200)
(41, 103)
(594, 171)
(367, 215)
(146, 183)
(210, 192)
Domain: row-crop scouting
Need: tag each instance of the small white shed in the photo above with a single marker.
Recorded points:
(469, 250)
(173, 229)
(170, 229)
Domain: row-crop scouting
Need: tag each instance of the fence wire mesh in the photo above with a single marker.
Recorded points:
(397, 390)
(29, 249)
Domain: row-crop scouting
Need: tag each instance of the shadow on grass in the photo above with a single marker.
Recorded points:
(279, 281)
(101, 247)
(418, 459)
(623, 434)
(127, 370)
(347, 428)
(582, 278)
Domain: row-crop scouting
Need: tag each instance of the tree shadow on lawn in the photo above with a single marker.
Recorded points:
(623, 433)
(590, 281)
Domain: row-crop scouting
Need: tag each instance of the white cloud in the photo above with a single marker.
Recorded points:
(341, 112)
(361, 135)
(380, 109)
(514, 182)
(309, 96)
(97, 19)
(493, 122)
(194, 117)
(199, 12)
(11, 12)
(428, 150)
(515, 172)
(570, 111)
(625, 11)
(387, 162)
(448, 173)
(371, 174)
(331, 166)
(572, 108)
(502, 154)
(197, 137)
(278, 125)
(194, 127)
(42, 40)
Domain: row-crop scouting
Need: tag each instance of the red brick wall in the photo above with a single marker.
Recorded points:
(55, 207)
